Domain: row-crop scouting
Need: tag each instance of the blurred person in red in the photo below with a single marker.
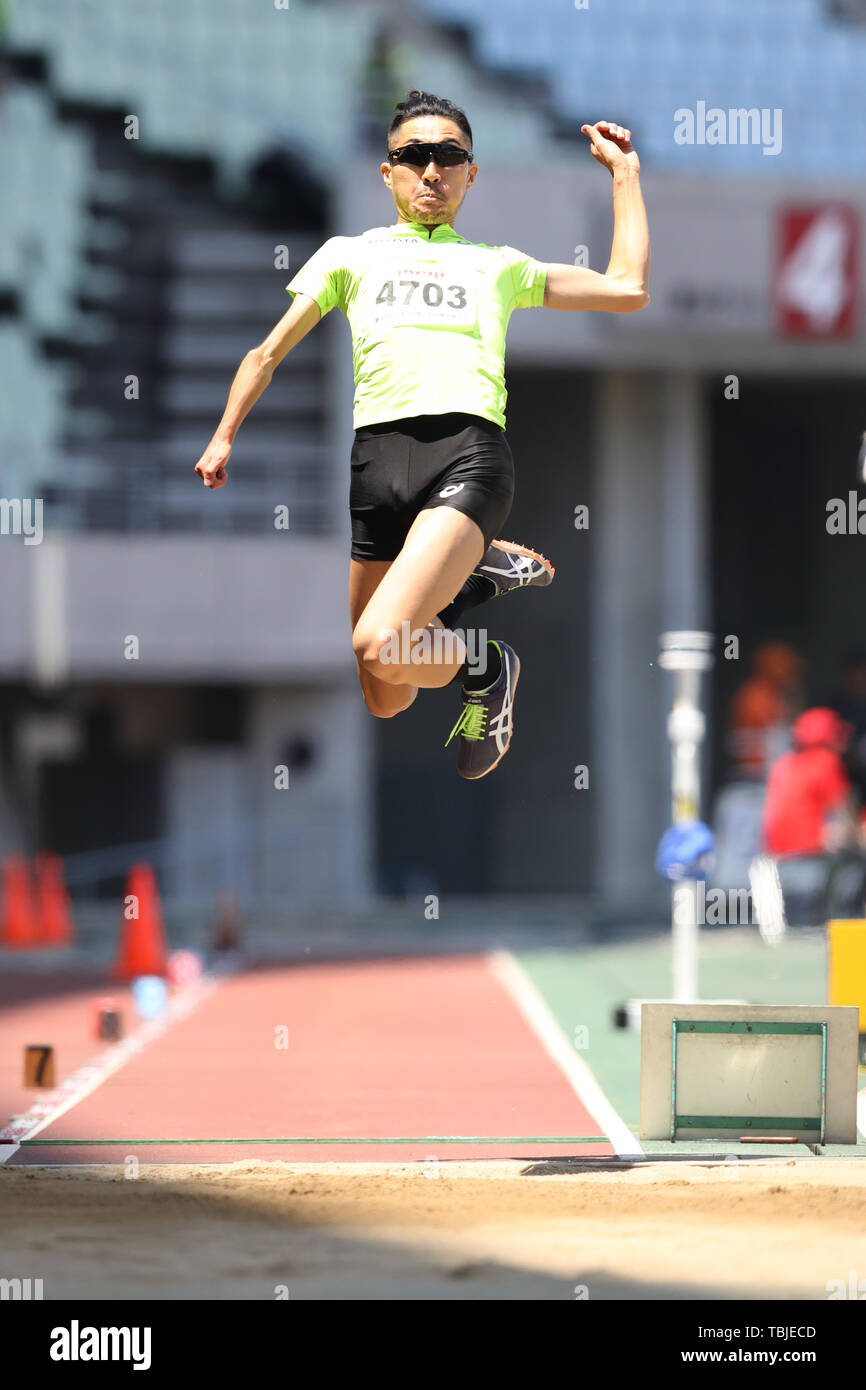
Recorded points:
(809, 807)
(850, 704)
(761, 711)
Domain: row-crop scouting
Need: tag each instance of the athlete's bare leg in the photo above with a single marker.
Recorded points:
(441, 550)
(381, 698)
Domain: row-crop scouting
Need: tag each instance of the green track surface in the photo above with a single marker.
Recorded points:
(584, 986)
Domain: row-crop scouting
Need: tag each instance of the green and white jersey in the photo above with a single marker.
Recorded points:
(428, 316)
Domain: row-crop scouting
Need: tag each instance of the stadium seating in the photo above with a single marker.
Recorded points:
(218, 77)
(44, 172)
(295, 71)
(31, 411)
(639, 61)
(226, 79)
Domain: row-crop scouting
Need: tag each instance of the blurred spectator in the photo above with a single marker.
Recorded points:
(758, 731)
(810, 823)
(850, 704)
(227, 927)
(809, 807)
(763, 708)
(384, 82)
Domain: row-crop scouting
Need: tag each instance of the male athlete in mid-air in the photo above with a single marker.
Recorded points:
(432, 472)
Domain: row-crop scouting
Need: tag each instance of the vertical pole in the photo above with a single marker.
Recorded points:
(626, 495)
(686, 654)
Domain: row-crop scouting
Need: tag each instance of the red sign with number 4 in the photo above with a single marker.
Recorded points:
(817, 271)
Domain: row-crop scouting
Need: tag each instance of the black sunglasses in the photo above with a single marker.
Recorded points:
(420, 155)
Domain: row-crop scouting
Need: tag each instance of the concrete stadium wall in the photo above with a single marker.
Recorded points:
(201, 607)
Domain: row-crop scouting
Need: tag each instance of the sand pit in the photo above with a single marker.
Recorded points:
(769, 1228)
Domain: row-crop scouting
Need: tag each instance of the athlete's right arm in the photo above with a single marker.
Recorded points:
(251, 378)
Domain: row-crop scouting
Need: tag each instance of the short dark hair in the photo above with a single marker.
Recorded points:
(417, 103)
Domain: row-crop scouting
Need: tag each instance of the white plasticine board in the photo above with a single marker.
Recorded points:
(740, 1074)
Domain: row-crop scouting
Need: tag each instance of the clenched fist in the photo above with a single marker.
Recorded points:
(611, 145)
(211, 467)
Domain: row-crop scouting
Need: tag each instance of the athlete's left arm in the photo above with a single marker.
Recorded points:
(624, 286)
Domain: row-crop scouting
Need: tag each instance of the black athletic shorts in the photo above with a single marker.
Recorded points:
(402, 467)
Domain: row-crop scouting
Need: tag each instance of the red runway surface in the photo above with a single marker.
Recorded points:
(405, 1047)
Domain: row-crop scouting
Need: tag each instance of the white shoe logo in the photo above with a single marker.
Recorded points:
(499, 727)
(451, 489)
(520, 568)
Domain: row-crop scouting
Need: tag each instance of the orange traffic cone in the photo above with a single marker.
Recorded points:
(18, 922)
(142, 948)
(55, 915)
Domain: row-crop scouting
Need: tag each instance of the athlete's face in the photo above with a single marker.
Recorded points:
(433, 195)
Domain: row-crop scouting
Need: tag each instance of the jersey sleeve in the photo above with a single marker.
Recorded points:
(322, 277)
(834, 780)
(528, 277)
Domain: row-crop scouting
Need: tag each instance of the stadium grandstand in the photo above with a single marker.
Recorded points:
(167, 167)
(354, 1020)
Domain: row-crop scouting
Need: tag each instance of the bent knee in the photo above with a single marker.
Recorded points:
(380, 709)
(387, 703)
(371, 649)
(364, 646)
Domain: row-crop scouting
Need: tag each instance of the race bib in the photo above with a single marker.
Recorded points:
(423, 296)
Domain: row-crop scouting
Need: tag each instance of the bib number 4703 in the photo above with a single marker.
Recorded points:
(432, 294)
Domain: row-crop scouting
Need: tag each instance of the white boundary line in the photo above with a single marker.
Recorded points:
(546, 1028)
(85, 1079)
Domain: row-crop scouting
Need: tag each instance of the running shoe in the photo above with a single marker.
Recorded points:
(511, 566)
(486, 720)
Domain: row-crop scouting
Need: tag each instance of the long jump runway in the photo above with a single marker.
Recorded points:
(430, 1050)
(447, 1046)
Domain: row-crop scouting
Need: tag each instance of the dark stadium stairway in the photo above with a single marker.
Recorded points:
(177, 283)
